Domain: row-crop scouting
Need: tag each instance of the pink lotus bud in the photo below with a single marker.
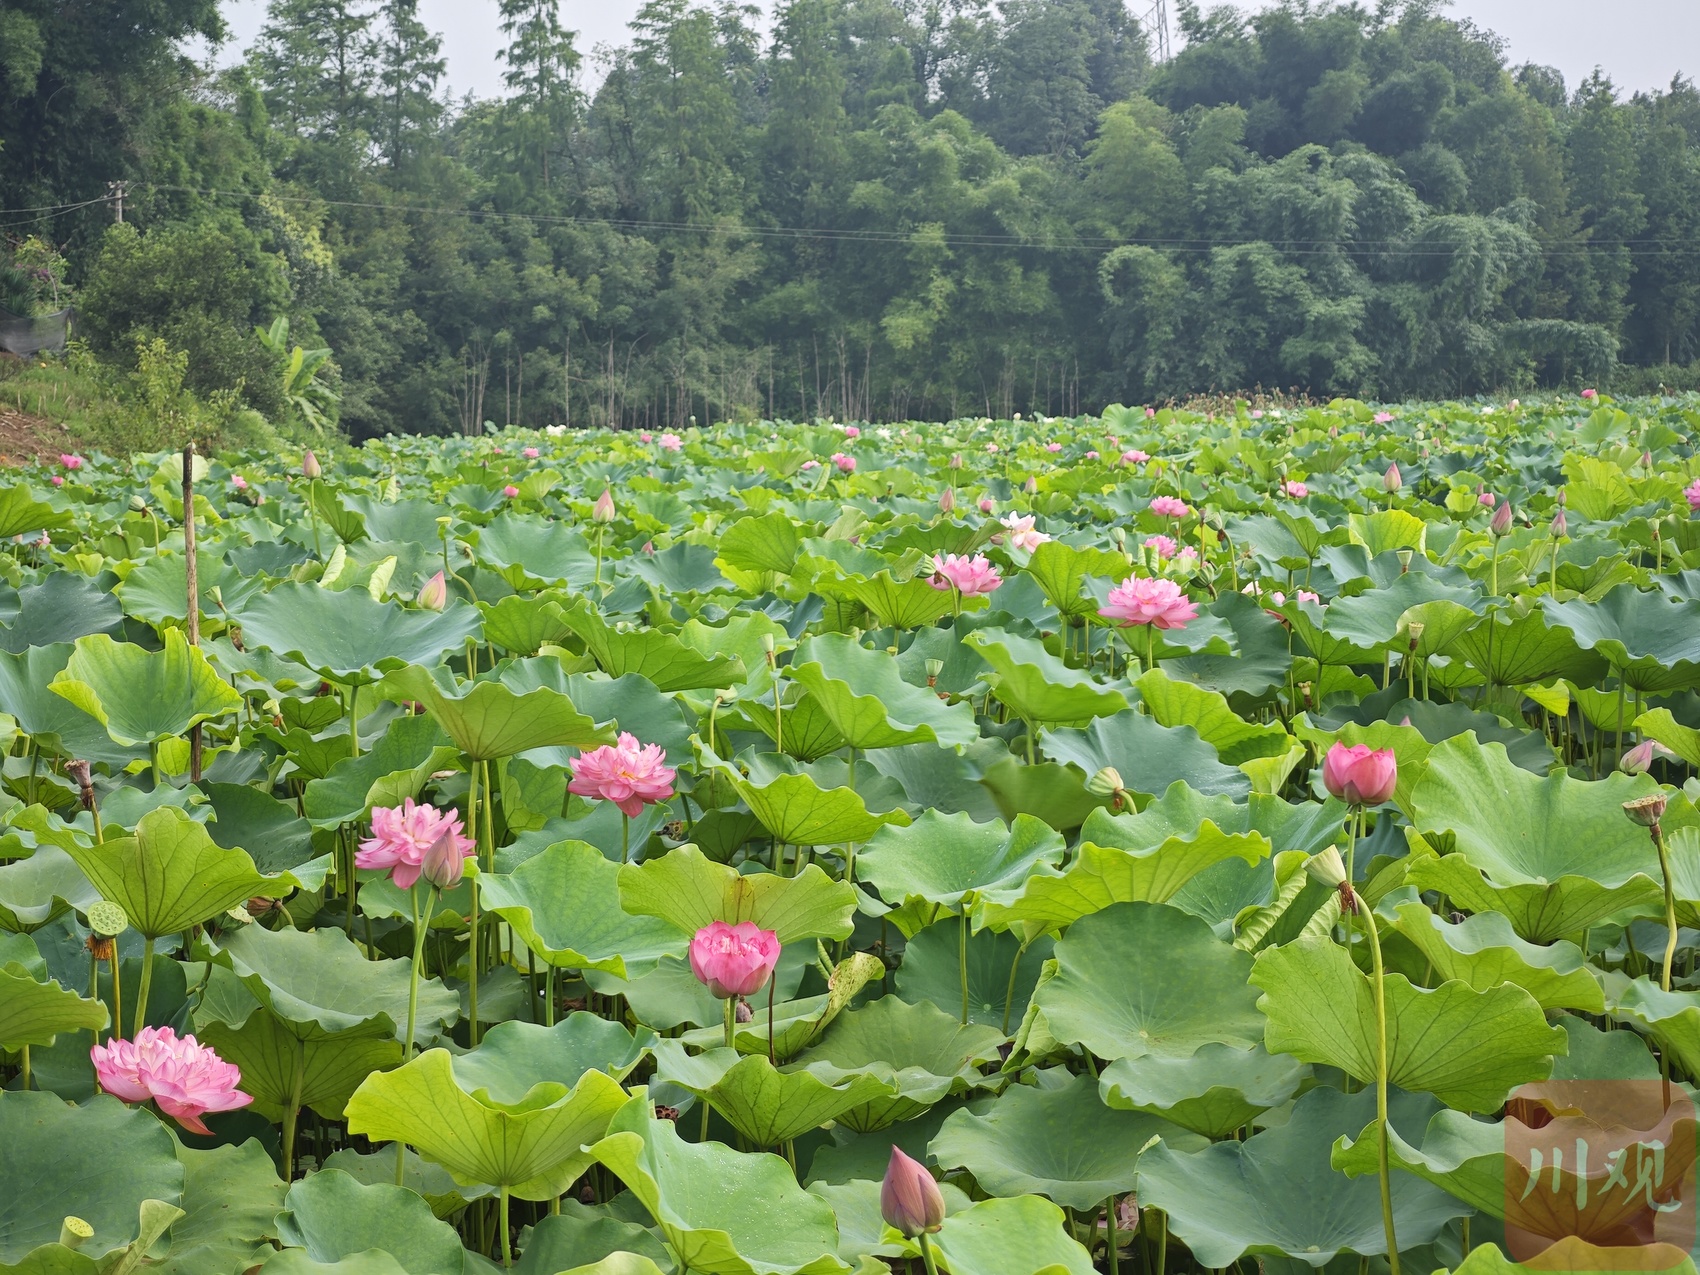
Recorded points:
(604, 509)
(510, 491)
(434, 593)
(1590, 394)
(1500, 523)
(1559, 525)
(947, 500)
(1359, 774)
(910, 1201)
(1485, 499)
(988, 505)
(956, 460)
(1639, 760)
(310, 467)
(1031, 486)
(734, 960)
(444, 862)
(57, 480)
(1390, 481)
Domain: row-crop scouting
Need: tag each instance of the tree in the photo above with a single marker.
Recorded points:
(410, 68)
(541, 62)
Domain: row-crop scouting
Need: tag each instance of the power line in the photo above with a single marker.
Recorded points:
(1291, 247)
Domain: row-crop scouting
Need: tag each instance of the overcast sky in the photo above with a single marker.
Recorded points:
(1641, 44)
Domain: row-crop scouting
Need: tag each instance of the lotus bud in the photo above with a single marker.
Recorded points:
(1646, 811)
(1563, 497)
(1031, 486)
(988, 506)
(1328, 868)
(434, 593)
(956, 460)
(74, 1232)
(1560, 526)
(310, 467)
(1639, 760)
(1390, 481)
(444, 864)
(604, 508)
(139, 503)
(767, 649)
(947, 500)
(1646, 460)
(1500, 524)
(910, 1201)
(1360, 775)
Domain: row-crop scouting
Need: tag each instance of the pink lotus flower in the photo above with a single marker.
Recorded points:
(1053, 448)
(1169, 507)
(734, 960)
(670, 442)
(1022, 534)
(401, 836)
(1485, 500)
(1590, 394)
(1384, 418)
(1361, 775)
(810, 464)
(181, 1075)
(1092, 455)
(1162, 604)
(988, 506)
(968, 576)
(530, 453)
(1150, 413)
(239, 482)
(70, 460)
(510, 491)
(629, 774)
(1297, 490)
(646, 437)
(57, 480)
(1256, 413)
(1305, 595)
(991, 449)
(1164, 546)
(851, 431)
(1639, 760)
(846, 464)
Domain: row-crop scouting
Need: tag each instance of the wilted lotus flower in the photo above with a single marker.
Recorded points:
(910, 1201)
(1360, 775)
(181, 1075)
(434, 593)
(1639, 760)
(310, 467)
(1646, 811)
(734, 960)
(603, 511)
(1391, 481)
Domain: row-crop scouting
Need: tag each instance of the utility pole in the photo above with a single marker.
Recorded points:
(1157, 23)
(115, 191)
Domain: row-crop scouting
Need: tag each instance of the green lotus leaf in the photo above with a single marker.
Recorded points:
(1463, 1156)
(1658, 724)
(319, 983)
(158, 589)
(523, 625)
(243, 816)
(688, 891)
(435, 1183)
(350, 638)
(622, 1264)
(1468, 1048)
(921, 1051)
(333, 1216)
(862, 1231)
(1555, 854)
(798, 808)
(1651, 640)
(21, 513)
(660, 657)
(1058, 1141)
(396, 767)
(1484, 952)
(62, 608)
(946, 860)
(862, 693)
(514, 1056)
(804, 727)
(33, 1013)
(1120, 870)
(532, 1147)
(487, 719)
(1264, 651)
(1387, 530)
(1275, 1195)
(1373, 618)
(142, 696)
(1149, 757)
(1146, 978)
(1021, 1236)
(1671, 1018)
(722, 1213)
(800, 1023)
(1053, 794)
(295, 1261)
(679, 568)
(1219, 1089)
(1173, 704)
(38, 889)
(762, 543)
(1060, 570)
(1310, 624)
(1002, 971)
(101, 1162)
(577, 1238)
(172, 874)
(896, 604)
(1037, 686)
(766, 1106)
(631, 702)
(53, 722)
(1574, 1254)
(524, 548)
(1516, 647)
(231, 1195)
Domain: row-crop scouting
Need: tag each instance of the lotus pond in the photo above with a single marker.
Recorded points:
(1190, 842)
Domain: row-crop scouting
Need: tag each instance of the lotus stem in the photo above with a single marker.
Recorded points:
(117, 1001)
(1382, 1169)
(625, 837)
(354, 720)
(313, 510)
(927, 1255)
(420, 929)
(962, 951)
(141, 1020)
(1658, 836)
(1110, 1236)
(472, 916)
(502, 1230)
(1009, 992)
(731, 1026)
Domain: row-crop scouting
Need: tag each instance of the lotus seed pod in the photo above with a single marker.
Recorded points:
(1106, 783)
(1646, 811)
(1327, 867)
(108, 919)
(74, 1232)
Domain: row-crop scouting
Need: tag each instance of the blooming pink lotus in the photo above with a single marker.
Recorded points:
(810, 464)
(670, 442)
(510, 491)
(627, 773)
(968, 576)
(1135, 456)
(1163, 546)
(1359, 774)
(1169, 507)
(530, 453)
(1590, 394)
(646, 437)
(845, 462)
(734, 960)
(1691, 493)
(70, 460)
(1022, 532)
(1162, 604)
(239, 482)
(1053, 448)
(851, 431)
(181, 1075)
(1384, 418)
(401, 836)
(1297, 490)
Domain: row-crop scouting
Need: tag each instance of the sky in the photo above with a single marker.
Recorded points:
(1641, 44)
